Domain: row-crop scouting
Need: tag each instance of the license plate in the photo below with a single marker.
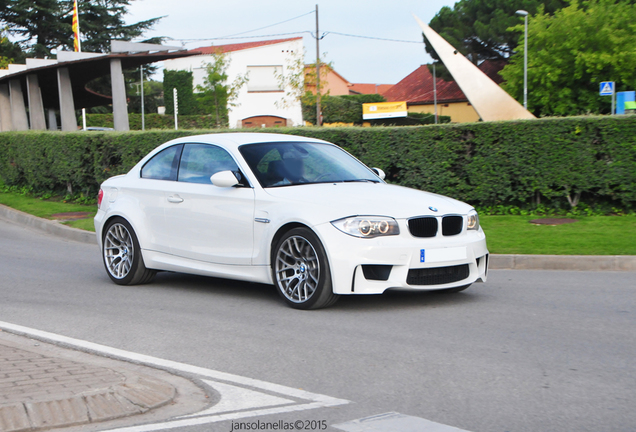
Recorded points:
(440, 255)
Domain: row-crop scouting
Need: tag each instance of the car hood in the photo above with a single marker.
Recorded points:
(335, 200)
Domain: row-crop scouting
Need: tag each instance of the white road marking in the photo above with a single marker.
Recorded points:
(234, 388)
(237, 399)
(393, 421)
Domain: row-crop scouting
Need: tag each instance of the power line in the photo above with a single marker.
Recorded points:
(271, 25)
(376, 38)
(240, 37)
(297, 33)
(234, 36)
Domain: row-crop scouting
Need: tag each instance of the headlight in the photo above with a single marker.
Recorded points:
(473, 220)
(367, 226)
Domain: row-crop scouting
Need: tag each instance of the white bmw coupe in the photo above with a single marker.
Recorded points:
(299, 213)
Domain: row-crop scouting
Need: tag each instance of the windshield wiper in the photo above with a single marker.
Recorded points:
(361, 180)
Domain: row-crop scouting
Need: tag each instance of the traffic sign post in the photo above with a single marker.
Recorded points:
(608, 88)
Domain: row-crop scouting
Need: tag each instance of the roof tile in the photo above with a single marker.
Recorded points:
(240, 46)
(417, 87)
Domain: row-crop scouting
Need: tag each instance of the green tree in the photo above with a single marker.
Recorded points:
(338, 109)
(42, 26)
(182, 81)
(153, 96)
(9, 52)
(571, 52)
(293, 78)
(484, 29)
(216, 94)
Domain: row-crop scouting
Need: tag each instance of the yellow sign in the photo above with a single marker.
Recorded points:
(383, 110)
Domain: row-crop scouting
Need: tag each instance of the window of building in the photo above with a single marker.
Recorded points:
(263, 78)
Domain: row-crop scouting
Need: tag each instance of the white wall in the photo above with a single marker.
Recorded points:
(252, 103)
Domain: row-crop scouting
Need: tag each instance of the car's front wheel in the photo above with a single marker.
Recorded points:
(301, 270)
(122, 255)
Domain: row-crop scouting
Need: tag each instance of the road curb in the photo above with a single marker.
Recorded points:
(47, 226)
(497, 262)
(563, 262)
(47, 385)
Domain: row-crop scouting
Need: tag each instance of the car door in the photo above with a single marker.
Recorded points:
(206, 222)
(148, 193)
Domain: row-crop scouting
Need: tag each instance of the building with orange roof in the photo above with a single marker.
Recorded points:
(418, 91)
(334, 84)
(369, 88)
(264, 101)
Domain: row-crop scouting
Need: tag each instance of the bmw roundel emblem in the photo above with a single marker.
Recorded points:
(431, 208)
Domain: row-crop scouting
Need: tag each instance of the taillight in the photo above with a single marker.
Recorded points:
(100, 196)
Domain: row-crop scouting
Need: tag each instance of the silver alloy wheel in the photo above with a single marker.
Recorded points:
(119, 251)
(297, 269)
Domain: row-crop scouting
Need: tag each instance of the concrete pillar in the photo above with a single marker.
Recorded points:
(36, 107)
(19, 120)
(5, 109)
(120, 109)
(67, 106)
(52, 119)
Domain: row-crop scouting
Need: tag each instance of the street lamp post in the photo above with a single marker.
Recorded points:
(524, 14)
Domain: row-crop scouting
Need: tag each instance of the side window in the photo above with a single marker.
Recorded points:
(200, 161)
(163, 165)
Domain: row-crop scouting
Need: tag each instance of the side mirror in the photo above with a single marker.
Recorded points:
(379, 172)
(224, 179)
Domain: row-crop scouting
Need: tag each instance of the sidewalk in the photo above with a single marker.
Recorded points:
(43, 386)
(497, 262)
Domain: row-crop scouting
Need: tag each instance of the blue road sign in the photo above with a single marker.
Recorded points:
(606, 88)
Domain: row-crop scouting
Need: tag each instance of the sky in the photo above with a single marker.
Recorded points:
(197, 23)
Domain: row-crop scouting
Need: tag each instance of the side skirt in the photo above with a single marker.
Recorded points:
(162, 261)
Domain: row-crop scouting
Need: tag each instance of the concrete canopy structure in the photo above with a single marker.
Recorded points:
(61, 85)
(489, 100)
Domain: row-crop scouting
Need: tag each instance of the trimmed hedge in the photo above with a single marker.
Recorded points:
(154, 121)
(486, 164)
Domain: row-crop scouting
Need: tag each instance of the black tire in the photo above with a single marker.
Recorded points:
(121, 254)
(300, 270)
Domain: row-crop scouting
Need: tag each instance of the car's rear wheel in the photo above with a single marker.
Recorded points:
(122, 255)
(301, 270)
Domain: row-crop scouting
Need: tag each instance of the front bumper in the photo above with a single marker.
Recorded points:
(371, 266)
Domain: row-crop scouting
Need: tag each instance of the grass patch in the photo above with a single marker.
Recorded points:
(85, 224)
(46, 208)
(591, 235)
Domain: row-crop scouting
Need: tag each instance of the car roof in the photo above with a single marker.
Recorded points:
(236, 139)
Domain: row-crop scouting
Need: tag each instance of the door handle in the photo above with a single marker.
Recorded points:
(175, 199)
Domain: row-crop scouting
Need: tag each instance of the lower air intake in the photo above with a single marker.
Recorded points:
(437, 275)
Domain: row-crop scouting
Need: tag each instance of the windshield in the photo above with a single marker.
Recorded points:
(292, 163)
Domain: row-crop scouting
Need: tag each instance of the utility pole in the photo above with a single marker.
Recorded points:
(318, 120)
(175, 95)
(143, 120)
(435, 91)
(524, 14)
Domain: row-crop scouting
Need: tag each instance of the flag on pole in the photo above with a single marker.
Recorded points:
(76, 32)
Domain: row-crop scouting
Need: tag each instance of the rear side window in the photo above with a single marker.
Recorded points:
(200, 161)
(163, 165)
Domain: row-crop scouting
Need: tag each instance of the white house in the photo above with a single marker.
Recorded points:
(262, 102)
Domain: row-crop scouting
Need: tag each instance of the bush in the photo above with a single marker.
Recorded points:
(154, 121)
(182, 81)
(555, 163)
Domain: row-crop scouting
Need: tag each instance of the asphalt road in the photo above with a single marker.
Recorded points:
(527, 351)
